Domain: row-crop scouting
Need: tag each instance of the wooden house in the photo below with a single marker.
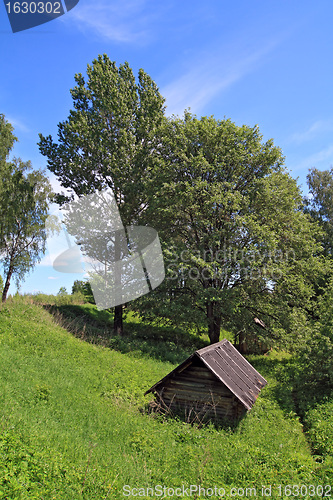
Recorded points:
(214, 383)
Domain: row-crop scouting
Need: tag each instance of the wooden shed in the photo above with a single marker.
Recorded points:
(215, 382)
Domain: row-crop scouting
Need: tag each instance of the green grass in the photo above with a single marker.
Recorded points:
(74, 423)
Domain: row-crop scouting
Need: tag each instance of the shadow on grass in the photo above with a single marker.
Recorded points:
(279, 371)
(140, 340)
(290, 385)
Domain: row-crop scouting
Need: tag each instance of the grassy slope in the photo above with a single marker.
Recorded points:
(73, 422)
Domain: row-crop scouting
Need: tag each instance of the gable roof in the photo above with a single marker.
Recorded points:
(230, 367)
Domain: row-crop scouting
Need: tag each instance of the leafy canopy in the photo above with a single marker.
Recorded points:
(110, 137)
(24, 202)
(237, 242)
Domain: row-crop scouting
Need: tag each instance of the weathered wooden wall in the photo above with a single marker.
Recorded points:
(196, 389)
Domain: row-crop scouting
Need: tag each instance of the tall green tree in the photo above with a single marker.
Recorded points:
(7, 140)
(315, 356)
(23, 213)
(110, 139)
(319, 203)
(238, 245)
(24, 202)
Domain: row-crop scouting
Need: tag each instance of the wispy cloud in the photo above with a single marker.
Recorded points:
(323, 158)
(17, 124)
(52, 278)
(46, 261)
(119, 21)
(212, 74)
(318, 127)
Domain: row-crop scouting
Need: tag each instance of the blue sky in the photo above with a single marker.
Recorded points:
(259, 62)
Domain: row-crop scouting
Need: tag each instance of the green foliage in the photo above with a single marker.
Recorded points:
(236, 242)
(24, 202)
(319, 423)
(62, 299)
(84, 288)
(62, 291)
(291, 383)
(7, 140)
(319, 204)
(124, 114)
(316, 355)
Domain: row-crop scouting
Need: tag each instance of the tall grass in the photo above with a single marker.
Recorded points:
(75, 426)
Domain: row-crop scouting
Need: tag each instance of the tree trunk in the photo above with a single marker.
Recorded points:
(7, 284)
(242, 344)
(118, 320)
(214, 324)
(120, 250)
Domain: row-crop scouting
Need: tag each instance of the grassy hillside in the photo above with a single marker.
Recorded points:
(74, 421)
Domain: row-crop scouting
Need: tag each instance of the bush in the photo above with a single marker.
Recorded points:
(319, 422)
(316, 355)
(59, 299)
(84, 288)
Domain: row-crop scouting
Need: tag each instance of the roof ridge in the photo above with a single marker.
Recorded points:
(211, 347)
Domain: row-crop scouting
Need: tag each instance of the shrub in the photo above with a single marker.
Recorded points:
(319, 421)
(316, 355)
(59, 299)
(84, 288)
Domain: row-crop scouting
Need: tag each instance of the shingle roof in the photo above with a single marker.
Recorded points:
(230, 367)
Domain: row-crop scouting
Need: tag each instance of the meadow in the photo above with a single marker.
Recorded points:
(75, 423)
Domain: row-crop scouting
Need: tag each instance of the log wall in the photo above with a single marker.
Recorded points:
(197, 390)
